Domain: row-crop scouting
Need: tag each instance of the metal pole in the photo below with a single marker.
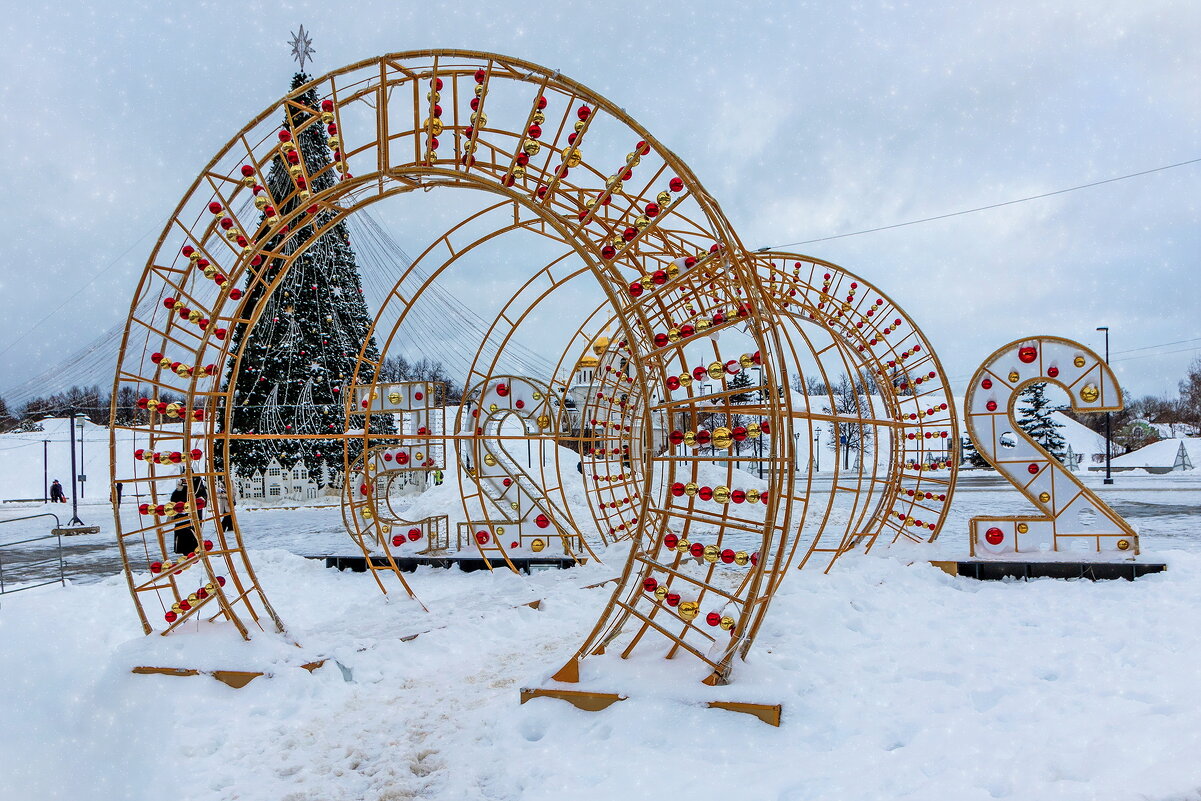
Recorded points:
(45, 471)
(817, 449)
(75, 521)
(82, 461)
(1108, 431)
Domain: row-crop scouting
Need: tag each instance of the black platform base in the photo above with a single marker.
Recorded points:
(467, 564)
(1093, 571)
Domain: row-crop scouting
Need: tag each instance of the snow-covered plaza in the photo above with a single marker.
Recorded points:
(896, 680)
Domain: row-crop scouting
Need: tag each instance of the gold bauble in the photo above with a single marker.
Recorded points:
(531, 148)
(543, 420)
(690, 439)
(1123, 545)
(686, 379)
(712, 553)
(673, 270)
(537, 545)
(420, 457)
(661, 591)
(306, 194)
(537, 396)
(489, 460)
(753, 430)
(366, 513)
(632, 159)
(433, 96)
(288, 147)
(689, 609)
(641, 222)
(539, 118)
(1078, 361)
(294, 170)
(1023, 528)
(1013, 376)
(673, 335)
(513, 505)
(722, 438)
(746, 360)
(683, 545)
(518, 171)
(335, 142)
(716, 370)
(1044, 497)
(726, 623)
(752, 496)
(721, 494)
(479, 119)
(394, 397)
(327, 117)
(384, 527)
(479, 90)
(434, 125)
(579, 126)
(590, 203)
(500, 530)
(742, 559)
(1089, 393)
(492, 407)
(663, 198)
(702, 325)
(260, 202)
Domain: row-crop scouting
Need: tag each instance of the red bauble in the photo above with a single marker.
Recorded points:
(673, 599)
(414, 534)
(534, 131)
(705, 494)
(649, 584)
(1027, 354)
(991, 406)
(1032, 468)
(170, 617)
(482, 537)
(677, 489)
(215, 207)
(712, 618)
(541, 521)
(676, 184)
(676, 437)
(727, 556)
(1053, 372)
(285, 136)
(671, 541)
(583, 112)
(994, 536)
(986, 383)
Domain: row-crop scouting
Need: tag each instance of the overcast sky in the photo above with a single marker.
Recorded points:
(804, 120)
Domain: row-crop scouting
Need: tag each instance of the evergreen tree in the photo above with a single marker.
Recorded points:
(7, 421)
(971, 456)
(1037, 422)
(300, 356)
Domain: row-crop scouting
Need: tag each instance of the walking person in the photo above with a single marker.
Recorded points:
(117, 493)
(223, 513)
(185, 538)
(56, 493)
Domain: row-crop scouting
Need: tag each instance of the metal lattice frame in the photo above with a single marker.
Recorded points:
(687, 307)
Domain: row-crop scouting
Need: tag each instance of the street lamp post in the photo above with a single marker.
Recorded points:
(817, 450)
(83, 463)
(75, 521)
(1108, 433)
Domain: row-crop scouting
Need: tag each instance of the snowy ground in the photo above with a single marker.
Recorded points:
(897, 681)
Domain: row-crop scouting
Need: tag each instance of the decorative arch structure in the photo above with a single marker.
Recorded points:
(689, 449)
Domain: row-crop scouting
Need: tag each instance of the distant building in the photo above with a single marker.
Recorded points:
(278, 483)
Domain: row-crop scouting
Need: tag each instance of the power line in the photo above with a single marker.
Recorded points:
(1162, 353)
(75, 294)
(1161, 345)
(986, 208)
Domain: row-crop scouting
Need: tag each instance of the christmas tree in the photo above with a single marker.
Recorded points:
(1037, 422)
(300, 356)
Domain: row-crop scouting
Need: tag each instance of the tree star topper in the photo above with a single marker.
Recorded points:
(302, 47)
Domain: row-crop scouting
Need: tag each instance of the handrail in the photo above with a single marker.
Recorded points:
(62, 578)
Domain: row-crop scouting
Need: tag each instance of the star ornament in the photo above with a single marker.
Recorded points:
(302, 46)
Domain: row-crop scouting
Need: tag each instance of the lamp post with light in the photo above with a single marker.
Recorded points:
(1108, 434)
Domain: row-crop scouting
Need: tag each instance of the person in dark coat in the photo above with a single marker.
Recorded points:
(199, 490)
(56, 493)
(185, 538)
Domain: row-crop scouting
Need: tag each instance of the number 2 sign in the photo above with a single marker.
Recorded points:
(1070, 516)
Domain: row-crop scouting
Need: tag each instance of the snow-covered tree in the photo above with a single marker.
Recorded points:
(1037, 422)
(300, 356)
(971, 456)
